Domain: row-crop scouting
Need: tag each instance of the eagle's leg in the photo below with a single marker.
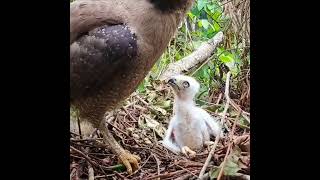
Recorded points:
(130, 161)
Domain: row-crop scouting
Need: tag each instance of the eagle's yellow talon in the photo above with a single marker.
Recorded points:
(130, 161)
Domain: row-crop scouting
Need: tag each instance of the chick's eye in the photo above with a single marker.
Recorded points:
(185, 84)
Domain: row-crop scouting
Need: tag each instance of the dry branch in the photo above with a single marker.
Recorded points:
(90, 172)
(201, 54)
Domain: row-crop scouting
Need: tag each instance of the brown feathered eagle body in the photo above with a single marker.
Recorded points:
(108, 62)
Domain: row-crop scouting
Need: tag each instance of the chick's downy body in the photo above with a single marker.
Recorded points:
(190, 125)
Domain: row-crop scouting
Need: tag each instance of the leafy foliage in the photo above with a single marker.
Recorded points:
(205, 19)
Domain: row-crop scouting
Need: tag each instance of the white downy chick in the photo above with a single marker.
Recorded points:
(190, 127)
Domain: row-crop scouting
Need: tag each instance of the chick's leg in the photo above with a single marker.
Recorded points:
(187, 151)
(208, 143)
(130, 161)
(167, 143)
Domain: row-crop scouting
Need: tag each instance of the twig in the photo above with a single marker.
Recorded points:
(112, 167)
(209, 103)
(234, 105)
(166, 175)
(158, 164)
(238, 175)
(90, 172)
(86, 139)
(187, 176)
(119, 175)
(226, 2)
(243, 176)
(83, 155)
(79, 127)
(229, 147)
(119, 130)
(187, 170)
(73, 172)
(143, 101)
(104, 176)
(129, 114)
(240, 125)
(74, 133)
(219, 98)
(226, 93)
(202, 64)
(76, 156)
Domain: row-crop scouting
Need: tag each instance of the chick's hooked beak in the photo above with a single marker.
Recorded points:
(173, 83)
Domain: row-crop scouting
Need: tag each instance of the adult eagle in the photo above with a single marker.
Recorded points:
(113, 45)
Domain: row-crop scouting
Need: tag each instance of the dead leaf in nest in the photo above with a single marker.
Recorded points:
(243, 142)
(233, 114)
(159, 109)
(153, 124)
(160, 131)
(164, 104)
(151, 96)
(141, 123)
(188, 163)
(210, 108)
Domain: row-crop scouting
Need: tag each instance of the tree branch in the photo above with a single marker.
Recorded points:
(201, 54)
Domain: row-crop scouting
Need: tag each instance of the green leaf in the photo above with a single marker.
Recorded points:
(244, 122)
(178, 56)
(205, 23)
(141, 87)
(191, 15)
(216, 26)
(204, 73)
(231, 168)
(226, 59)
(214, 172)
(119, 168)
(217, 16)
(201, 4)
(211, 7)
